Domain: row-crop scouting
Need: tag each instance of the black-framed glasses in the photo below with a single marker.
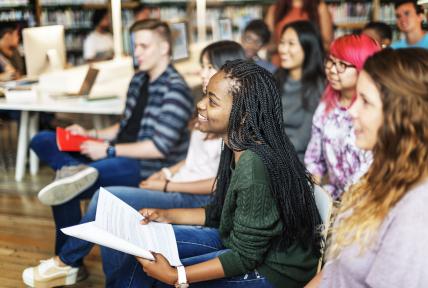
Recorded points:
(340, 66)
(252, 40)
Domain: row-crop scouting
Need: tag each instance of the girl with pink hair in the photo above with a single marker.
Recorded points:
(331, 151)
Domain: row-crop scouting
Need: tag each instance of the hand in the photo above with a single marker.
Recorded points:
(94, 150)
(156, 176)
(158, 215)
(8, 75)
(155, 185)
(159, 269)
(77, 130)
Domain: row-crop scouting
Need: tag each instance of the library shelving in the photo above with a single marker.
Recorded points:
(18, 10)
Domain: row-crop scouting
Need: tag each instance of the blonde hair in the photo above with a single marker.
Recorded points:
(400, 154)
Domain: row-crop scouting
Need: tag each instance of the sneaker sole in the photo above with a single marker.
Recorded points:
(61, 191)
(55, 282)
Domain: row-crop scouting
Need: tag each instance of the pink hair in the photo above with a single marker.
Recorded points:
(354, 49)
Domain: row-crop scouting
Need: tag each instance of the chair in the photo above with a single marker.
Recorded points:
(324, 204)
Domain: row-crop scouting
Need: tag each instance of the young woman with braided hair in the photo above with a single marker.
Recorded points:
(380, 236)
(262, 228)
(186, 184)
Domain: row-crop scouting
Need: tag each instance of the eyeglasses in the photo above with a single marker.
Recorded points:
(340, 66)
(252, 40)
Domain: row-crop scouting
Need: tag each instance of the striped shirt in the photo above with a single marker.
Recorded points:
(165, 118)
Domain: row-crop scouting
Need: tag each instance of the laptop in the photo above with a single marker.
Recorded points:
(85, 88)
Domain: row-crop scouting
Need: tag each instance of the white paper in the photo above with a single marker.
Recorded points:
(117, 225)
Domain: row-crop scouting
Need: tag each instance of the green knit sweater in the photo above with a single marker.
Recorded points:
(250, 226)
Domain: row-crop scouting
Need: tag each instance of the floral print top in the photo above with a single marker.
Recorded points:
(332, 150)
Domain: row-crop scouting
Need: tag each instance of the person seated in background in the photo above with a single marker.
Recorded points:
(409, 17)
(331, 151)
(301, 80)
(187, 184)
(142, 12)
(152, 134)
(379, 31)
(256, 36)
(380, 236)
(11, 62)
(98, 45)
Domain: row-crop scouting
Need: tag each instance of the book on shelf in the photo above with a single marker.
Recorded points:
(70, 142)
(117, 226)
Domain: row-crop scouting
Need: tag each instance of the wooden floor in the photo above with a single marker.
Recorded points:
(27, 228)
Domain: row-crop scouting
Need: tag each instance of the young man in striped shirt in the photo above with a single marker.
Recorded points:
(152, 134)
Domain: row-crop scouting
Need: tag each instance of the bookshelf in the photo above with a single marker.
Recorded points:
(18, 10)
(75, 15)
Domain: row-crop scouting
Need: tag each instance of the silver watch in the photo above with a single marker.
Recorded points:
(182, 279)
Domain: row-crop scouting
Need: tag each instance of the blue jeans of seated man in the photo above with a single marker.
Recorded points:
(112, 172)
(74, 249)
(195, 245)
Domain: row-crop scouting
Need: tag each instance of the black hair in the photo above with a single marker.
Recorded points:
(140, 7)
(313, 75)
(418, 8)
(8, 26)
(221, 51)
(256, 124)
(98, 15)
(259, 27)
(384, 30)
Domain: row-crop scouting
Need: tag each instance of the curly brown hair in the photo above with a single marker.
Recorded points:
(401, 152)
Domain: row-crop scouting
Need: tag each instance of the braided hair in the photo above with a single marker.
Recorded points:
(256, 124)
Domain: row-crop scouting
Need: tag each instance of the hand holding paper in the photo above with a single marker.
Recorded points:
(117, 226)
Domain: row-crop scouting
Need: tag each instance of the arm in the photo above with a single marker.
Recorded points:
(326, 25)
(108, 133)
(161, 270)
(200, 187)
(195, 187)
(159, 175)
(314, 156)
(140, 150)
(174, 169)
(270, 18)
(189, 216)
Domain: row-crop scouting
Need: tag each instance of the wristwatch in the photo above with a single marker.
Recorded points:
(182, 279)
(111, 151)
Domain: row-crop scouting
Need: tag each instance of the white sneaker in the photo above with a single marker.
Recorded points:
(48, 274)
(69, 182)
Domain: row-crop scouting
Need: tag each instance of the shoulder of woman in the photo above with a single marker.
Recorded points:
(251, 167)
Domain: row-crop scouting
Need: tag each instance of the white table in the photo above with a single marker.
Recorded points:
(28, 125)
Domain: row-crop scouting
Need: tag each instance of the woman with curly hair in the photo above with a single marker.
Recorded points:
(380, 236)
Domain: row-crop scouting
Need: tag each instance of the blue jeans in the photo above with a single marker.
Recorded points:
(74, 249)
(195, 245)
(112, 172)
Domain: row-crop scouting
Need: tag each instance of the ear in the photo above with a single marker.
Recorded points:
(164, 46)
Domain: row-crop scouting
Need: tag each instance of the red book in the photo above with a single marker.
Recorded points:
(70, 142)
